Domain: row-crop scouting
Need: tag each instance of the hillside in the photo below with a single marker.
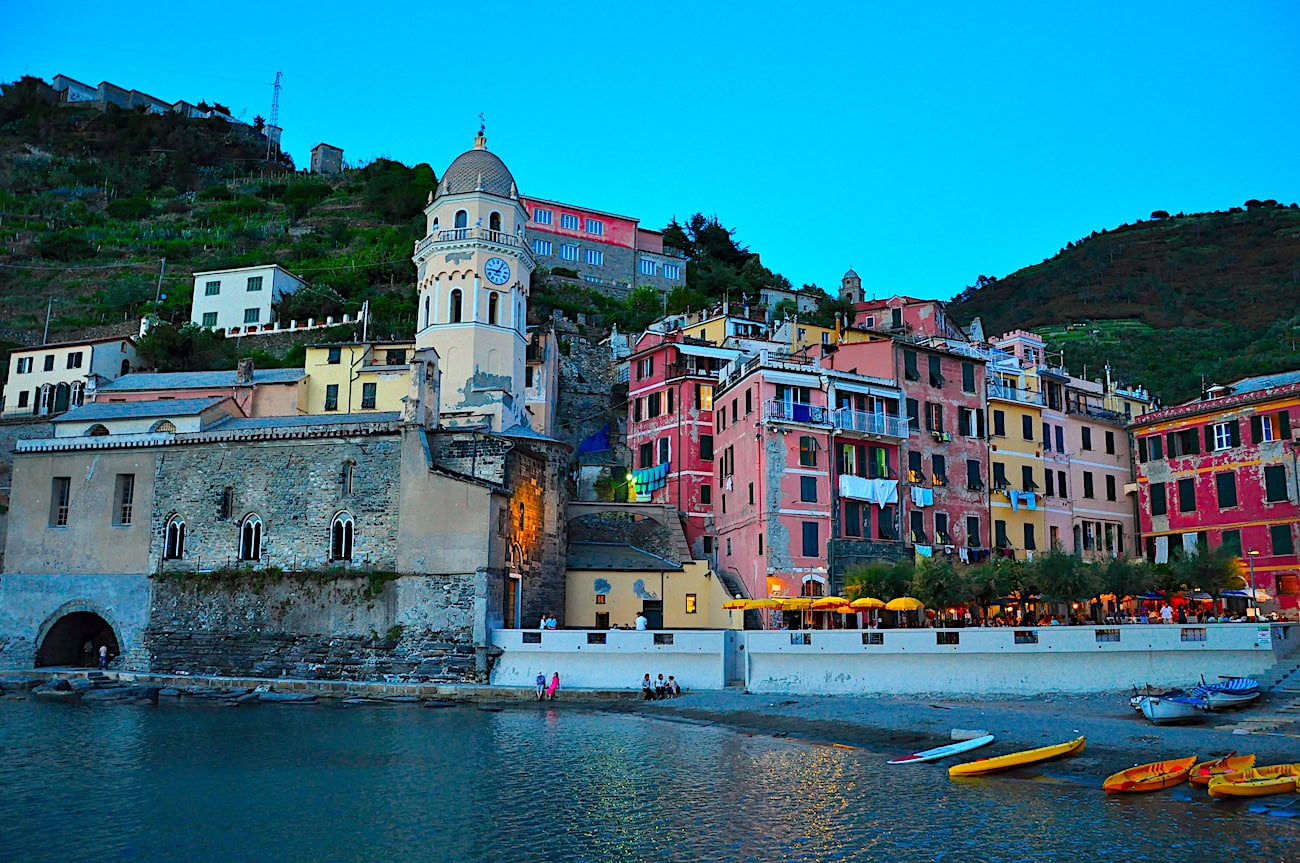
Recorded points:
(1168, 302)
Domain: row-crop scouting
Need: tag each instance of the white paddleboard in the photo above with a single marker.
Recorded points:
(945, 751)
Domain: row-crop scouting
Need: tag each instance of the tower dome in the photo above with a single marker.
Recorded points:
(477, 170)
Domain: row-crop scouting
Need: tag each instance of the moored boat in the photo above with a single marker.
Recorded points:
(1228, 765)
(1256, 781)
(944, 751)
(984, 766)
(1150, 777)
(1176, 708)
(1216, 700)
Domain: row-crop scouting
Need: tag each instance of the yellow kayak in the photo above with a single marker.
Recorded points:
(984, 766)
(1256, 782)
(1150, 777)
(1226, 766)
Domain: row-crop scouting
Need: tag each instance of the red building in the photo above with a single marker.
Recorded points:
(671, 380)
(1221, 471)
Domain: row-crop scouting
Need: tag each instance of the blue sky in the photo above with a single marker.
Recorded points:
(920, 143)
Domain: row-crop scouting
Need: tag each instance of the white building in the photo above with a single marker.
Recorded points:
(242, 300)
(50, 379)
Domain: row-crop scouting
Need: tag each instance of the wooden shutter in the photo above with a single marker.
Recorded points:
(1256, 429)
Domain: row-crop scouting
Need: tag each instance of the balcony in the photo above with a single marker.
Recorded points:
(864, 422)
(468, 235)
(679, 370)
(1012, 394)
(775, 409)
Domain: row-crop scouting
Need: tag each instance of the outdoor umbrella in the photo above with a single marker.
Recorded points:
(752, 604)
(866, 602)
(796, 603)
(1151, 595)
(829, 603)
(732, 604)
(904, 603)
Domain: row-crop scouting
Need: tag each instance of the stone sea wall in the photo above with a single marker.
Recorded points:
(417, 628)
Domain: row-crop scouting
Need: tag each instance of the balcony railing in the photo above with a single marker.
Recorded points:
(870, 423)
(680, 370)
(1013, 394)
(776, 409)
(462, 235)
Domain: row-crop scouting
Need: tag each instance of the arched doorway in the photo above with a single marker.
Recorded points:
(75, 639)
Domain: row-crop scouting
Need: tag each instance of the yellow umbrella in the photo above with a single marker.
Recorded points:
(752, 604)
(867, 602)
(732, 604)
(904, 603)
(829, 603)
(797, 603)
(847, 609)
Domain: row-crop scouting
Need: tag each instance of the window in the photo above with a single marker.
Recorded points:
(594, 256)
(1027, 427)
(24, 365)
(568, 252)
(1087, 484)
(1050, 489)
(209, 320)
(123, 498)
(704, 397)
(1060, 484)
(938, 470)
(460, 220)
(672, 271)
(692, 606)
(811, 543)
(332, 397)
(49, 363)
(968, 377)
(1000, 476)
(934, 367)
(494, 304)
(1183, 443)
(1110, 487)
(1231, 541)
(941, 528)
(1187, 495)
(1047, 437)
(664, 455)
(1086, 431)
(212, 289)
(645, 368)
(972, 531)
(1000, 535)
(454, 307)
(595, 226)
(226, 506)
(60, 492)
(541, 247)
(646, 455)
(646, 267)
(568, 221)
(74, 360)
(1225, 485)
(494, 222)
(1223, 435)
(999, 423)
(653, 406)
(1155, 447)
(853, 518)
(749, 401)
(334, 357)
(706, 447)
(1159, 504)
(751, 494)
(1027, 478)
(913, 415)
(542, 217)
(250, 538)
(1030, 543)
(174, 539)
(1275, 483)
(970, 422)
(1282, 539)
(807, 451)
(254, 284)
(974, 475)
(22, 399)
(917, 524)
(808, 489)
(342, 533)
(368, 396)
(395, 358)
(910, 371)
(345, 478)
(934, 417)
(252, 316)
(706, 494)
(1110, 442)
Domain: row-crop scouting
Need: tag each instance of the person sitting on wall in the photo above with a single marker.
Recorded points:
(674, 688)
(661, 687)
(647, 688)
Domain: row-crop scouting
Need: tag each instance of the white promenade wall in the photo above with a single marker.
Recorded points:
(1003, 661)
(695, 657)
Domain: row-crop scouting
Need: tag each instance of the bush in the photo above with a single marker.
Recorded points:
(64, 246)
(129, 209)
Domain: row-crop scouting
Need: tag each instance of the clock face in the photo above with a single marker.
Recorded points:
(497, 271)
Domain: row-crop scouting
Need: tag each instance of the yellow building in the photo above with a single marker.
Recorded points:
(355, 377)
(50, 379)
(609, 584)
(800, 336)
(1016, 468)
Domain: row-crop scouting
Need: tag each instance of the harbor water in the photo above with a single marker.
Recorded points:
(198, 782)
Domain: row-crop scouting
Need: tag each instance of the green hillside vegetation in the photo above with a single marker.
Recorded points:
(1169, 302)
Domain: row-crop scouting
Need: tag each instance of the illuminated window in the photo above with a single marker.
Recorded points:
(691, 605)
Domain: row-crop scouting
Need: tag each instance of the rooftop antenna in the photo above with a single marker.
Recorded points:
(275, 114)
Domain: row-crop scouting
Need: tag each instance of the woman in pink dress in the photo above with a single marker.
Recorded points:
(554, 687)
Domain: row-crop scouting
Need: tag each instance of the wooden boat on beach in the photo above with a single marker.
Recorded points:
(985, 766)
(1228, 765)
(1256, 781)
(1150, 777)
(1175, 708)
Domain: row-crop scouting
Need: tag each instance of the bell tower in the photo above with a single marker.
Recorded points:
(473, 270)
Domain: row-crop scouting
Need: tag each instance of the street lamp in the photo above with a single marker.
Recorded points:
(1250, 562)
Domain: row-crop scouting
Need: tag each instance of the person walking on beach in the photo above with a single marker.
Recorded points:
(554, 687)
(541, 685)
(103, 657)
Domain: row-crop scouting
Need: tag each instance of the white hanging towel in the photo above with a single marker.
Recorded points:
(1162, 549)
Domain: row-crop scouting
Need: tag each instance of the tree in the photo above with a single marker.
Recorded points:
(989, 581)
(1212, 571)
(939, 585)
(880, 579)
(187, 348)
(1125, 578)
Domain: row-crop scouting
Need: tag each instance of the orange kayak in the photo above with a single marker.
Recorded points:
(1256, 781)
(1150, 777)
(1226, 766)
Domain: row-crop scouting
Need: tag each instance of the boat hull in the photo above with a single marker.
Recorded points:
(1150, 777)
(1256, 782)
(945, 751)
(1167, 711)
(1229, 765)
(985, 766)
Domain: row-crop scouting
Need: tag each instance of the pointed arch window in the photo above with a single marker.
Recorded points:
(349, 467)
(342, 533)
(453, 312)
(250, 538)
(174, 539)
(494, 303)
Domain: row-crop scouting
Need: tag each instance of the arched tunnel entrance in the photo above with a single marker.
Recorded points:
(75, 640)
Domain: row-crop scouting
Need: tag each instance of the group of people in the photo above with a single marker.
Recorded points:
(547, 691)
(653, 690)
(548, 621)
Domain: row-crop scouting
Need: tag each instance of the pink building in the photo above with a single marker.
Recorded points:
(255, 392)
(671, 382)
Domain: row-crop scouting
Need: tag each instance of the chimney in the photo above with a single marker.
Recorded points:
(244, 371)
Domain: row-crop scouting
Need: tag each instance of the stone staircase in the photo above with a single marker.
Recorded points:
(1282, 679)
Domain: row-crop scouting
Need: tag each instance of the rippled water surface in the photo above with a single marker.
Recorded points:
(200, 782)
